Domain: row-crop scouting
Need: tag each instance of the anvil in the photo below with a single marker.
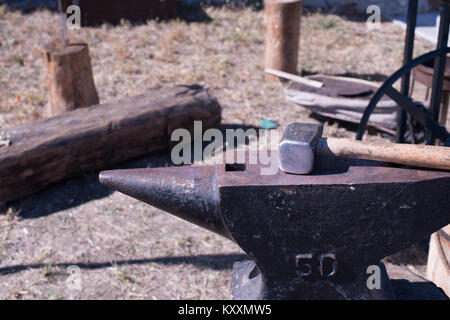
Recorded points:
(309, 236)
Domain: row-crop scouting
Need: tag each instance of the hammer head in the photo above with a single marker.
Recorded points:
(297, 147)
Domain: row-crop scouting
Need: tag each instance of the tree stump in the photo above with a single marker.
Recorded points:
(282, 34)
(69, 77)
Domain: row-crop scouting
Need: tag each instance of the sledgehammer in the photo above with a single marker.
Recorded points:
(302, 141)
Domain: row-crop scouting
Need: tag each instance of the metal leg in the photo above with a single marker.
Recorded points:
(409, 47)
(444, 108)
(439, 71)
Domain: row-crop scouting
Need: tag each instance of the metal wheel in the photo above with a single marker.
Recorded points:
(419, 115)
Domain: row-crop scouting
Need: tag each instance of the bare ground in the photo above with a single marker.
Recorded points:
(125, 249)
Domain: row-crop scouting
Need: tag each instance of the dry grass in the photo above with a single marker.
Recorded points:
(225, 54)
(128, 250)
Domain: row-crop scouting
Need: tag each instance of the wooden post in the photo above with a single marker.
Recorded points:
(282, 35)
(69, 76)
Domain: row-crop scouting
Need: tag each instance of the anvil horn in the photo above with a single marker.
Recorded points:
(191, 194)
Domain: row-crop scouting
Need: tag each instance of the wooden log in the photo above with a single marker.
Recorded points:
(438, 266)
(47, 151)
(282, 34)
(69, 77)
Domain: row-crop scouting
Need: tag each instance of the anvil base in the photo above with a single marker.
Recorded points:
(247, 284)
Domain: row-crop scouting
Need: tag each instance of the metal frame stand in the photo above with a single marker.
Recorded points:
(439, 68)
(407, 57)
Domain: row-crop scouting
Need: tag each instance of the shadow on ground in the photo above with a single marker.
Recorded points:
(406, 290)
(214, 261)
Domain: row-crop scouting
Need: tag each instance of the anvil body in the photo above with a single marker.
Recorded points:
(309, 236)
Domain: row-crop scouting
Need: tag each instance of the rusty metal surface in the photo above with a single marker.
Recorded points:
(309, 236)
(358, 220)
(327, 171)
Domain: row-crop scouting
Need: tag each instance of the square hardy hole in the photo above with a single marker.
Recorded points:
(235, 167)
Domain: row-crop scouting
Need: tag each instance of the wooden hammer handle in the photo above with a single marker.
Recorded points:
(409, 154)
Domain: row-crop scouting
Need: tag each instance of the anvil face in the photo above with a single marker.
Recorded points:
(311, 236)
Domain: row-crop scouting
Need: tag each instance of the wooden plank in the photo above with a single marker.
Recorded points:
(295, 78)
(87, 139)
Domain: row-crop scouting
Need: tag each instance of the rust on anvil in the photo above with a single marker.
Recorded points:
(310, 236)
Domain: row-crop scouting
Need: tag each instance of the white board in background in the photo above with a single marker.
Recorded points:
(427, 25)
